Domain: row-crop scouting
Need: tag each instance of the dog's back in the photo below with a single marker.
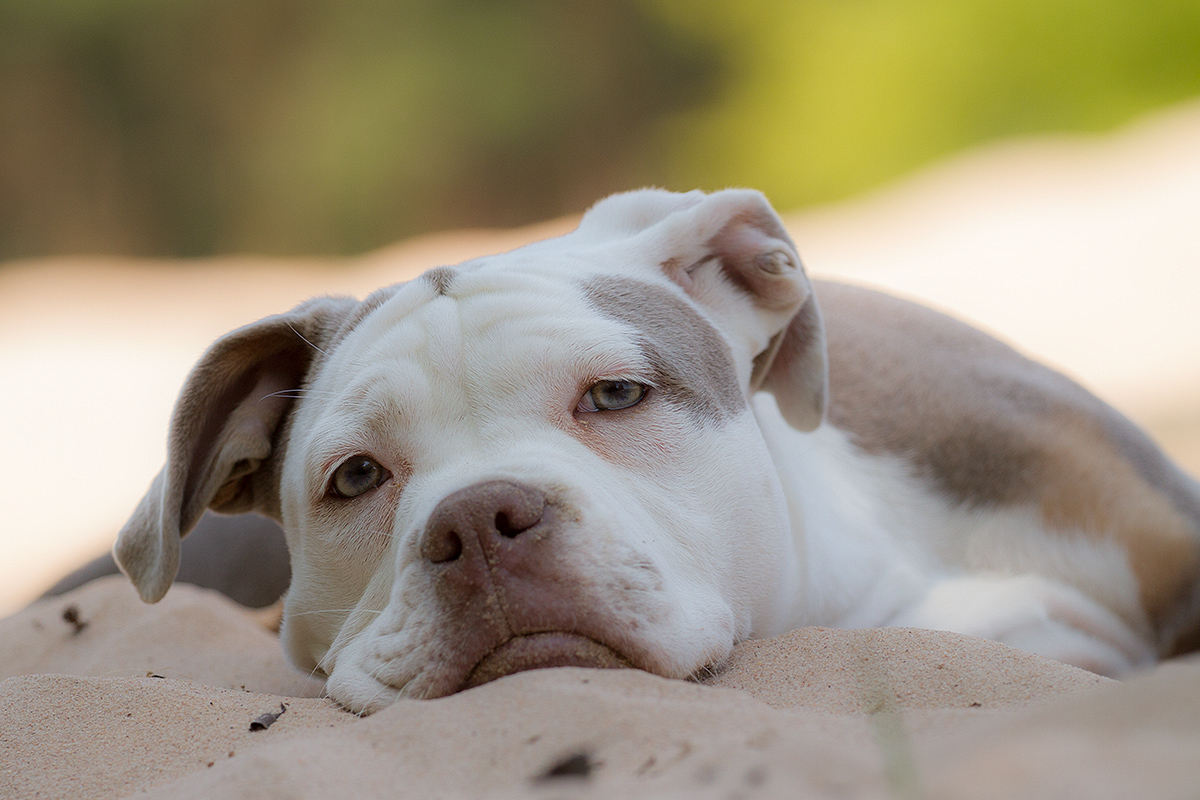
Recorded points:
(991, 430)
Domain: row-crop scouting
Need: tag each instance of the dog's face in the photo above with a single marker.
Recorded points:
(543, 458)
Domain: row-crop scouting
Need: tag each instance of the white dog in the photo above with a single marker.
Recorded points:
(644, 441)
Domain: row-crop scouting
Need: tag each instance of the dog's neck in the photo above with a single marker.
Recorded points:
(851, 515)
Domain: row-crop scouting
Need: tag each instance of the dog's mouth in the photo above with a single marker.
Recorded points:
(542, 651)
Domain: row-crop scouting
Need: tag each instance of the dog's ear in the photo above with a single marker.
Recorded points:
(731, 253)
(224, 435)
(622, 215)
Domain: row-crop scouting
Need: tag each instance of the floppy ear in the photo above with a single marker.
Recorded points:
(222, 450)
(795, 368)
(731, 253)
(628, 213)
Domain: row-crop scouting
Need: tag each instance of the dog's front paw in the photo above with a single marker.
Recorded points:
(1034, 614)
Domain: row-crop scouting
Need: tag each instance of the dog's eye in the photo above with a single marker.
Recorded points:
(357, 475)
(612, 396)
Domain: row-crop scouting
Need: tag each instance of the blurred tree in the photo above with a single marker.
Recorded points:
(288, 126)
(825, 98)
(320, 126)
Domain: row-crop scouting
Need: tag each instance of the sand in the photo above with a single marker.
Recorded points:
(158, 701)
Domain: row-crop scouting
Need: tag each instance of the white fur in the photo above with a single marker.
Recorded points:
(879, 548)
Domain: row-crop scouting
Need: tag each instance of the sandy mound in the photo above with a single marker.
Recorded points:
(103, 630)
(160, 699)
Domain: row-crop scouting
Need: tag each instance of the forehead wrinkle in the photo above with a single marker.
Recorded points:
(492, 299)
(371, 407)
(417, 359)
(517, 339)
(442, 353)
(441, 323)
(376, 330)
(426, 335)
(391, 305)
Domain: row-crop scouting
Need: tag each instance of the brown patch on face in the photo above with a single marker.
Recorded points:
(693, 366)
(441, 278)
(989, 428)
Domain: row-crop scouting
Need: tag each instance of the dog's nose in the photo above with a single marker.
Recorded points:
(490, 510)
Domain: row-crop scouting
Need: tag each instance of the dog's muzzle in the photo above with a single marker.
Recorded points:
(493, 549)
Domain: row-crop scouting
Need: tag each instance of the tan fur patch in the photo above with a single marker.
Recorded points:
(1089, 487)
(990, 428)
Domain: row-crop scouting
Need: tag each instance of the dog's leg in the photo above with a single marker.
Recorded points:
(244, 557)
(1034, 614)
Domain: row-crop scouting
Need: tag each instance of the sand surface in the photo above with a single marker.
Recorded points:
(158, 701)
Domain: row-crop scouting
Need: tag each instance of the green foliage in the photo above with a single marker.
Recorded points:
(828, 97)
(200, 126)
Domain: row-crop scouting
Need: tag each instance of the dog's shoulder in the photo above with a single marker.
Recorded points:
(990, 428)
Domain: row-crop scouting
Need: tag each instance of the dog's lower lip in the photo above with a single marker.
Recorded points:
(541, 651)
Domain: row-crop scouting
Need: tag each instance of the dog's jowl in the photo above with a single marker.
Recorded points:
(644, 441)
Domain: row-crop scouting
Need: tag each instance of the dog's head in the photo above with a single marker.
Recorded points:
(540, 458)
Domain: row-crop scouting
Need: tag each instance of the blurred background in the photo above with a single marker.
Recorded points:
(198, 127)
(172, 170)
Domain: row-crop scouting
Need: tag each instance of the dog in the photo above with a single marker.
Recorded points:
(646, 440)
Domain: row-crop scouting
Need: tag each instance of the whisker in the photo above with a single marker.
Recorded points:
(312, 676)
(297, 393)
(306, 341)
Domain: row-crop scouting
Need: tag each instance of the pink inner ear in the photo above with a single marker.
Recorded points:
(680, 272)
(741, 243)
(758, 257)
(749, 246)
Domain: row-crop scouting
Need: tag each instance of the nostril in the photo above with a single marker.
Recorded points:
(506, 527)
(443, 548)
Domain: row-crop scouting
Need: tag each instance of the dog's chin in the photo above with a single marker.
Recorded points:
(542, 651)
